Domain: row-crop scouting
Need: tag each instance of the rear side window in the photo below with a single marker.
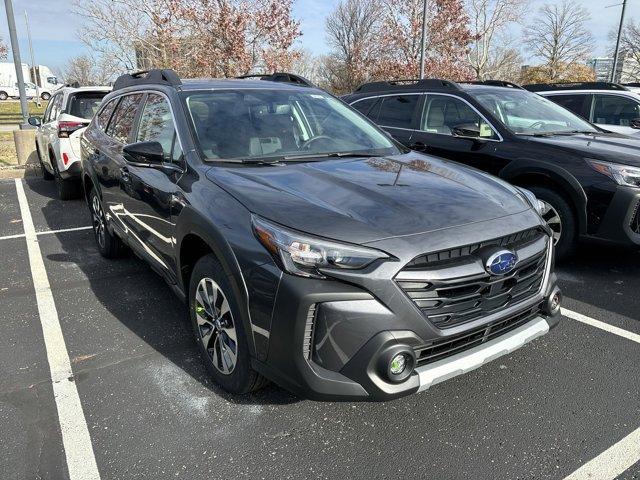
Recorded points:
(56, 104)
(123, 118)
(615, 110)
(85, 104)
(397, 111)
(574, 103)
(105, 114)
(156, 124)
(363, 106)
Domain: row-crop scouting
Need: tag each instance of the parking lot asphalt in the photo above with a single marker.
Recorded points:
(151, 412)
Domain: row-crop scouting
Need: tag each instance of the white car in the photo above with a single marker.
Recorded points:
(9, 91)
(58, 137)
(610, 106)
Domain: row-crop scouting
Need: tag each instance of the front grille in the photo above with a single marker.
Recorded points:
(459, 343)
(635, 219)
(455, 291)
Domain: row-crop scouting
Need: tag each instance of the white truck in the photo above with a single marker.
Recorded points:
(40, 75)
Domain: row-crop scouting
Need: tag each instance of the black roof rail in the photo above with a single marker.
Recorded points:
(494, 83)
(283, 77)
(632, 84)
(400, 84)
(540, 87)
(156, 76)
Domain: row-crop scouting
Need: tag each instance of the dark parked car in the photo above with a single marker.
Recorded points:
(311, 248)
(588, 179)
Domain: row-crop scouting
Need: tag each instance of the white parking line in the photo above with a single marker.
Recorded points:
(48, 232)
(81, 460)
(612, 462)
(601, 325)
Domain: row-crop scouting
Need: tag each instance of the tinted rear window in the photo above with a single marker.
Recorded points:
(85, 105)
(398, 110)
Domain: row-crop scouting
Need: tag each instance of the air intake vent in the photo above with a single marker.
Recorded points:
(307, 343)
(635, 219)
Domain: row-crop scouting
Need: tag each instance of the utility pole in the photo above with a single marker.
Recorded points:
(34, 75)
(424, 39)
(15, 49)
(617, 52)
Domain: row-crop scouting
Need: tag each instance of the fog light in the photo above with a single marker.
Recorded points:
(398, 364)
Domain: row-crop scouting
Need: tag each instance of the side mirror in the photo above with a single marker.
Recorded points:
(144, 154)
(468, 130)
(34, 121)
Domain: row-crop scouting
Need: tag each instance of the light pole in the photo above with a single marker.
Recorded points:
(617, 52)
(33, 62)
(424, 39)
(15, 49)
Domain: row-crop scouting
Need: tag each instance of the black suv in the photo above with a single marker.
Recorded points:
(588, 179)
(311, 248)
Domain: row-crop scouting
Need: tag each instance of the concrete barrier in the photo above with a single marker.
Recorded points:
(25, 141)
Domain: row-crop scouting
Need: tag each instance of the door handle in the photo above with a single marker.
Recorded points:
(421, 147)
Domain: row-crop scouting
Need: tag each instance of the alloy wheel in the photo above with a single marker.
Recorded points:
(552, 217)
(216, 327)
(98, 221)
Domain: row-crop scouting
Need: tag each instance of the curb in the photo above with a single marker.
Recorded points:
(19, 171)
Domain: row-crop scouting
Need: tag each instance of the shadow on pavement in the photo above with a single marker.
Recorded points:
(138, 298)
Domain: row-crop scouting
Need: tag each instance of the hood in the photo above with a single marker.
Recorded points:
(363, 200)
(611, 147)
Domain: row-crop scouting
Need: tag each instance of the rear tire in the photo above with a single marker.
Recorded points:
(45, 96)
(109, 245)
(559, 210)
(3, 95)
(45, 173)
(215, 317)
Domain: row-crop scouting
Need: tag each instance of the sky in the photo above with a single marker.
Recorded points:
(54, 27)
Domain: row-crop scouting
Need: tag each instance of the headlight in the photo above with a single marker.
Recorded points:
(621, 174)
(303, 255)
(532, 200)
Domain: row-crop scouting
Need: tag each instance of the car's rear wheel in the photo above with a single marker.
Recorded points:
(219, 332)
(45, 173)
(561, 219)
(109, 245)
(3, 95)
(45, 96)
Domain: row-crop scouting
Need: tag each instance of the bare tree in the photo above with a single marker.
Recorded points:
(503, 61)
(629, 66)
(90, 71)
(351, 33)
(488, 20)
(558, 36)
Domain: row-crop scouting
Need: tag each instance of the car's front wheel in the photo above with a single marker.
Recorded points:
(45, 96)
(219, 332)
(109, 245)
(3, 95)
(560, 217)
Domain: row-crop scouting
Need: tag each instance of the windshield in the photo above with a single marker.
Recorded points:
(258, 124)
(526, 113)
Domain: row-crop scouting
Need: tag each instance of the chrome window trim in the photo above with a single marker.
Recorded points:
(500, 138)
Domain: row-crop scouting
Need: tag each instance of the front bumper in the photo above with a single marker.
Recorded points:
(329, 340)
(621, 222)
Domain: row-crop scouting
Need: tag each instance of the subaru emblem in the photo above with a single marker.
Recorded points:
(501, 262)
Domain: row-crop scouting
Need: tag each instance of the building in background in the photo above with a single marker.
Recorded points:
(628, 69)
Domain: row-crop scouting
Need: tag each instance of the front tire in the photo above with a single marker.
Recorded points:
(109, 245)
(561, 219)
(45, 96)
(218, 328)
(3, 96)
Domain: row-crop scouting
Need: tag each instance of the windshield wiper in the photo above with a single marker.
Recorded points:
(559, 132)
(329, 155)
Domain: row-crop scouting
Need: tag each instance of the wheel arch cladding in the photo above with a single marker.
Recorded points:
(546, 175)
(196, 237)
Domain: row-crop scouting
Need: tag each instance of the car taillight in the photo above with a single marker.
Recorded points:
(66, 128)
(65, 158)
